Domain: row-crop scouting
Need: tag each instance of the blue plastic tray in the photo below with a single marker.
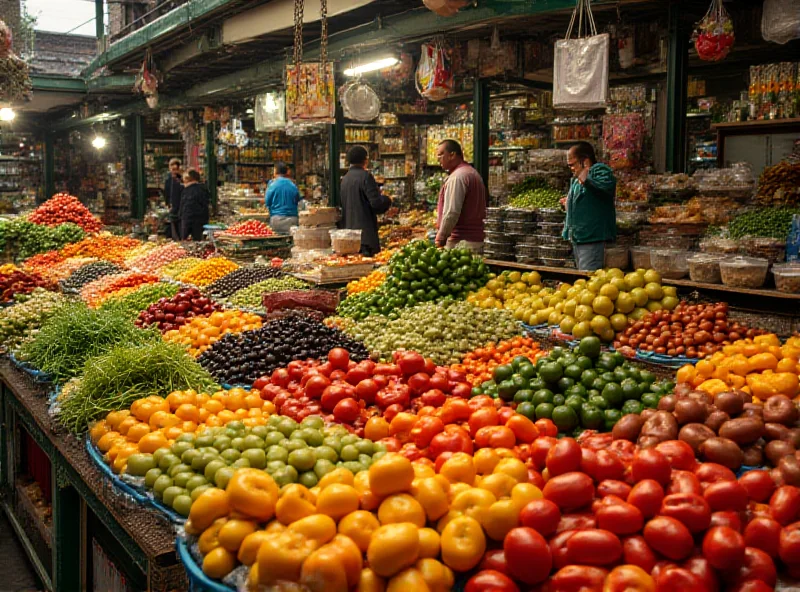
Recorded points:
(37, 375)
(198, 581)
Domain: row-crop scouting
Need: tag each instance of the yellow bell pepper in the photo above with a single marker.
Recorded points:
(763, 361)
(713, 386)
(765, 386)
(281, 557)
(296, 502)
(770, 339)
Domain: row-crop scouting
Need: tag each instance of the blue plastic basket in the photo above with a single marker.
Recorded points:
(37, 375)
(198, 581)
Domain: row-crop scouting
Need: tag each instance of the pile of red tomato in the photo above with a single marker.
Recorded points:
(19, 282)
(615, 518)
(63, 208)
(250, 228)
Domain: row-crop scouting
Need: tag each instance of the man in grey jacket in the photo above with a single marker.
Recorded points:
(362, 201)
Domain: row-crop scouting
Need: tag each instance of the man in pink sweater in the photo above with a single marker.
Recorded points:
(462, 201)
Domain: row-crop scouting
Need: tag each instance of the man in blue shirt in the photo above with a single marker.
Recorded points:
(281, 201)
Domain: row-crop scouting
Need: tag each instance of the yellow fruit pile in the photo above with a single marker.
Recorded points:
(760, 366)
(367, 283)
(600, 305)
(414, 528)
(179, 267)
(208, 271)
(202, 332)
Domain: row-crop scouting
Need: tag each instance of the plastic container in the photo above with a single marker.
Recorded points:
(771, 249)
(489, 254)
(520, 215)
(550, 262)
(346, 242)
(551, 228)
(528, 260)
(555, 251)
(528, 251)
(499, 237)
(496, 247)
(494, 226)
(495, 213)
(640, 257)
(551, 215)
(744, 272)
(724, 246)
(670, 263)
(543, 239)
(787, 277)
(704, 268)
(311, 238)
(616, 257)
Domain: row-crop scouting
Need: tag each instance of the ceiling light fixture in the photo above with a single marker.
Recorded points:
(7, 114)
(372, 66)
(99, 142)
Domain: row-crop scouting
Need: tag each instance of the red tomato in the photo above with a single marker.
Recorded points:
(356, 375)
(366, 390)
(712, 472)
(418, 383)
(558, 548)
(541, 515)
(452, 439)
(700, 567)
(629, 578)
(346, 411)
(764, 534)
(726, 495)
(758, 565)
(387, 370)
(684, 482)
(690, 509)
(620, 518)
(535, 478)
(570, 490)
(669, 537)
(578, 578)
(679, 454)
(563, 457)
(729, 519)
(409, 362)
(678, 578)
(503, 413)
(495, 560)
(495, 437)
(392, 411)
(480, 402)
(339, 358)
(332, 395)
(425, 429)
(490, 580)
(481, 418)
(752, 586)
(439, 381)
(723, 547)
(317, 384)
(624, 449)
(539, 449)
(789, 545)
(613, 487)
(609, 466)
(785, 504)
(647, 495)
(411, 452)
(260, 383)
(636, 551)
(455, 410)
(462, 390)
(650, 464)
(594, 546)
(528, 555)
(392, 444)
(433, 397)
(524, 429)
(280, 377)
(758, 484)
(576, 522)
(393, 394)
(546, 427)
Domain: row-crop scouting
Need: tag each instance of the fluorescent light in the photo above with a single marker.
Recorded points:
(99, 142)
(250, 111)
(372, 66)
(7, 114)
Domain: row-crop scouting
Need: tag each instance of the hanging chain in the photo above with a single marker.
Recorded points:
(299, 8)
(323, 42)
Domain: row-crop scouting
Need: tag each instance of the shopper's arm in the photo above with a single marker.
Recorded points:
(602, 179)
(378, 202)
(167, 191)
(455, 192)
(270, 196)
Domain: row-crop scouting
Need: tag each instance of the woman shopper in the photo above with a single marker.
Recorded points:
(591, 216)
(195, 200)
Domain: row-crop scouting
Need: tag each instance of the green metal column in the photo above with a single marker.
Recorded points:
(335, 139)
(211, 165)
(139, 201)
(480, 119)
(677, 84)
(49, 166)
(66, 533)
(99, 19)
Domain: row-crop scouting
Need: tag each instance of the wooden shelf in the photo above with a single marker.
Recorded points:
(757, 123)
(247, 163)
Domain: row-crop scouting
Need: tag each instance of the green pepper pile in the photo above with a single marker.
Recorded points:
(579, 389)
(29, 239)
(763, 222)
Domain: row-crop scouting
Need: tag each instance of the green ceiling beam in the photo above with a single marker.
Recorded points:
(114, 82)
(58, 84)
(137, 41)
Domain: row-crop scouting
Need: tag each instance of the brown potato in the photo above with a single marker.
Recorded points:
(648, 442)
(775, 431)
(683, 388)
(722, 451)
(628, 427)
(647, 414)
(753, 456)
(730, 403)
(701, 396)
(753, 410)
(742, 430)
(790, 468)
(694, 434)
(794, 437)
(690, 410)
(780, 409)
(667, 403)
(716, 419)
(661, 425)
(745, 397)
(776, 450)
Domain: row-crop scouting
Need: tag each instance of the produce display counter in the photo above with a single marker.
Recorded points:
(141, 542)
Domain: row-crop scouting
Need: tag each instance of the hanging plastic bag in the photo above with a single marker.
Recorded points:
(580, 72)
(434, 78)
(780, 21)
(270, 111)
(713, 35)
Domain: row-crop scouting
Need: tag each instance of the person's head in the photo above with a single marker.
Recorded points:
(580, 156)
(191, 176)
(449, 154)
(281, 169)
(175, 166)
(358, 156)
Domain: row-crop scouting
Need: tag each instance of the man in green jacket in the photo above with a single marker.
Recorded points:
(591, 215)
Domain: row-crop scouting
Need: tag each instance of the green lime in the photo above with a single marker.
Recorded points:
(551, 373)
(575, 401)
(589, 346)
(502, 372)
(612, 416)
(632, 406)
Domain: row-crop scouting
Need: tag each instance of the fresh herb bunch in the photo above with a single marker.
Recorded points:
(127, 372)
(31, 239)
(133, 303)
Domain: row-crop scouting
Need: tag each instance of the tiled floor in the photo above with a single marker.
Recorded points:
(16, 574)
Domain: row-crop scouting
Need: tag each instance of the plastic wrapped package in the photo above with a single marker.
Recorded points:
(670, 263)
(771, 249)
(311, 238)
(551, 228)
(744, 272)
(517, 228)
(704, 268)
(554, 251)
(345, 242)
(724, 246)
(519, 215)
(640, 257)
(551, 215)
(318, 216)
(627, 220)
(787, 277)
(616, 257)
(780, 20)
(542, 239)
(527, 251)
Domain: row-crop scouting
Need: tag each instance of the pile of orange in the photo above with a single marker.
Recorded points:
(202, 332)
(480, 363)
(154, 422)
(367, 283)
(103, 246)
(208, 271)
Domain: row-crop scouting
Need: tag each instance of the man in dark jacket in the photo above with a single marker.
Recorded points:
(194, 206)
(362, 201)
(172, 195)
